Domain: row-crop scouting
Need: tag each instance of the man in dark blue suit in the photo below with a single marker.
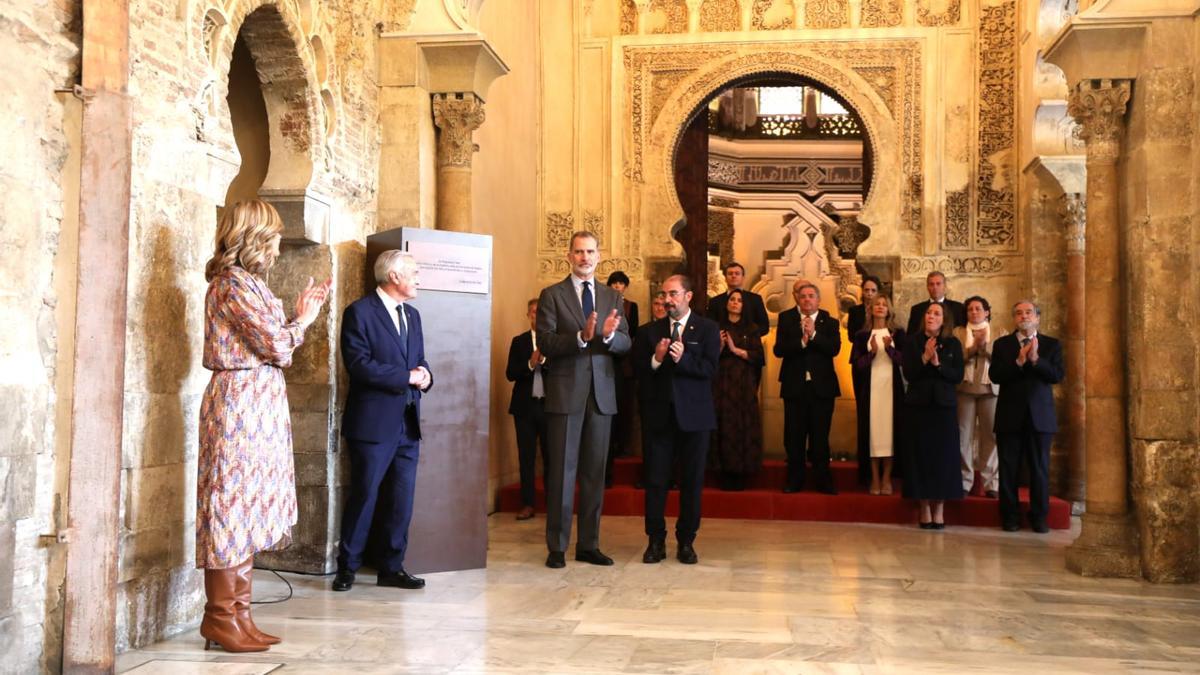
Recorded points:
(384, 352)
(1025, 364)
(807, 339)
(677, 363)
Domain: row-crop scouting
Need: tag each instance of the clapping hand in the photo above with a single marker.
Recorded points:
(980, 336)
(310, 301)
(1028, 353)
(873, 344)
(809, 328)
(535, 359)
(887, 341)
(676, 350)
(589, 329)
(930, 355)
(611, 323)
(660, 350)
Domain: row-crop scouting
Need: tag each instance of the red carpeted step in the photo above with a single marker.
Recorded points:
(765, 501)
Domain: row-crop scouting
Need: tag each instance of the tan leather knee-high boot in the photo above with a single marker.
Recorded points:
(241, 604)
(220, 623)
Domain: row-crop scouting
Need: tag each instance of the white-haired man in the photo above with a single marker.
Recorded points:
(384, 353)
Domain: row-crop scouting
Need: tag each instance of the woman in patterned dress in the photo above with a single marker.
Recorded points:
(245, 491)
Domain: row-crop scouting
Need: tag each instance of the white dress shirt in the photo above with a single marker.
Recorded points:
(682, 321)
(578, 284)
(392, 305)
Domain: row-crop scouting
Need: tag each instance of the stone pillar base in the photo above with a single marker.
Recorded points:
(1107, 547)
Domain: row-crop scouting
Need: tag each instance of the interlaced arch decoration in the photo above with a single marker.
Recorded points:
(881, 80)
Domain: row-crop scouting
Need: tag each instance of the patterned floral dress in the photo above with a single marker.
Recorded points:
(246, 488)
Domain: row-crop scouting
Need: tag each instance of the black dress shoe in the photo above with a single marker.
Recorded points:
(555, 560)
(991, 494)
(1011, 527)
(655, 552)
(827, 490)
(594, 557)
(686, 554)
(399, 579)
(926, 526)
(1039, 526)
(938, 526)
(790, 488)
(344, 580)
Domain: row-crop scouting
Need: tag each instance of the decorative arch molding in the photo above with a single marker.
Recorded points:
(881, 79)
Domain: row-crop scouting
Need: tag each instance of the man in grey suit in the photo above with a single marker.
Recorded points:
(579, 329)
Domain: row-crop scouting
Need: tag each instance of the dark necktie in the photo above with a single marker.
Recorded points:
(403, 329)
(589, 305)
(675, 331)
(1024, 342)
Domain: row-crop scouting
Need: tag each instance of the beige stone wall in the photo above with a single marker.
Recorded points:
(505, 190)
(38, 226)
(324, 138)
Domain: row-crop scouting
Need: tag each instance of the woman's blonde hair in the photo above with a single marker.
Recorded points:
(244, 238)
(889, 321)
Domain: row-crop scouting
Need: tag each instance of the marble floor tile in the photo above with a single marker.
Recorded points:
(767, 597)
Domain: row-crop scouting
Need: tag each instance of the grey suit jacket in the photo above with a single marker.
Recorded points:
(570, 371)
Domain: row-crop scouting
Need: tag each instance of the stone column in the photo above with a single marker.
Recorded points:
(457, 116)
(1107, 545)
(1074, 215)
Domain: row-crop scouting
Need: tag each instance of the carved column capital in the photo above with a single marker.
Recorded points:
(458, 116)
(1099, 107)
(1073, 211)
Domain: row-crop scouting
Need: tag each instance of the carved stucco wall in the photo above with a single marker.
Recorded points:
(945, 193)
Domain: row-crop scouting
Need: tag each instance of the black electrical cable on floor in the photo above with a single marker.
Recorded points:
(290, 591)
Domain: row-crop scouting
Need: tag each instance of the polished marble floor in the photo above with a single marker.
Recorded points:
(767, 597)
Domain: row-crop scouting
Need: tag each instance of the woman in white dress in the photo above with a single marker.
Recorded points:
(875, 357)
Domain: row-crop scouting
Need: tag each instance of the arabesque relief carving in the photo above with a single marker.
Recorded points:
(930, 14)
(958, 220)
(655, 75)
(826, 14)
(772, 15)
(997, 199)
(720, 15)
(882, 13)
(953, 265)
(667, 16)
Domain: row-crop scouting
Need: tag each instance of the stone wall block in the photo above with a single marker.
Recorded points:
(308, 397)
(7, 558)
(160, 429)
(161, 309)
(22, 426)
(147, 550)
(1168, 513)
(310, 433)
(18, 487)
(158, 604)
(1166, 415)
(314, 468)
(159, 495)
(312, 546)
(1168, 102)
(310, 363)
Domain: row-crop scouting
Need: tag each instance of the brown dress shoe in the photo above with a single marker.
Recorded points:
(525, 513)
(241, 603)
(220, 624)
